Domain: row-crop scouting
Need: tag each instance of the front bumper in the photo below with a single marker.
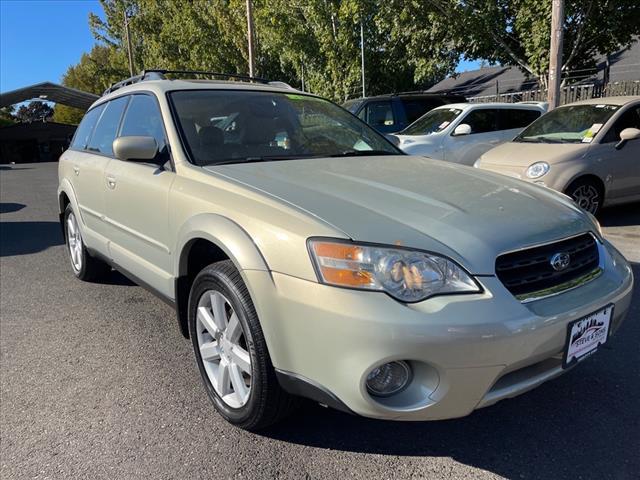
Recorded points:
(466, 351)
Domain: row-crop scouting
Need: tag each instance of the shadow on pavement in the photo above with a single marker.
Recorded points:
(585, 424)
(6, 167)
(22, 238)
(8, 207)
(620, 216)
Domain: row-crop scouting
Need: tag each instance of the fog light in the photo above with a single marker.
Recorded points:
(388, 379)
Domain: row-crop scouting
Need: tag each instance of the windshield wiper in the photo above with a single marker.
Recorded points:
(541, 140)
(264, 158)
(362, 153)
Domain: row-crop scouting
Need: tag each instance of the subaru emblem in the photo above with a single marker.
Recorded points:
(560, 261)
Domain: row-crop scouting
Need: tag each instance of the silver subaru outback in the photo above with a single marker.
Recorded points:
(306, 256)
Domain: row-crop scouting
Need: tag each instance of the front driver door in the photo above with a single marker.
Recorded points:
(619, 168)
(138, 201)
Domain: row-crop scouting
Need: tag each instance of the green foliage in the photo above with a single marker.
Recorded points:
(409, 44)
(518, 32)
(6, 116)
(68, 115)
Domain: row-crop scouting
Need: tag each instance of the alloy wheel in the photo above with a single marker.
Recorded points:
(74, 239)
(587, 197)
(223, 348)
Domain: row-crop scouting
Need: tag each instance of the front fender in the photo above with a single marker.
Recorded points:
(65, 187)
(224, 233)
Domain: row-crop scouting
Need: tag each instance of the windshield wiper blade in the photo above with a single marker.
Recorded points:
(362, 153)
(264, 158)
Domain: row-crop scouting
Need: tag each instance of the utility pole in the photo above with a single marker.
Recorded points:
(555, 54)
(362, 55)
(127, 33)
(250, 37)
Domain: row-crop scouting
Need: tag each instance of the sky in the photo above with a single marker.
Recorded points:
(40, 39)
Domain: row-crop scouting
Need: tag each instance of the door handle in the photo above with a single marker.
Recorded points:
(111, 182)
(76, 170)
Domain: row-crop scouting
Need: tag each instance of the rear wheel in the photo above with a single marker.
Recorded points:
(587, 193)
(84, 266)
(231, 352)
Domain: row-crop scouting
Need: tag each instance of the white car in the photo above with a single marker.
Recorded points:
(461, 132)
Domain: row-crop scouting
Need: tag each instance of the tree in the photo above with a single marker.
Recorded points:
(6, 116)
(319, 37)
(96, 71)
(518, 32)
(34, 111)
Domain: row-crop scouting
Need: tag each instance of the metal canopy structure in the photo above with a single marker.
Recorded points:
(49, 92)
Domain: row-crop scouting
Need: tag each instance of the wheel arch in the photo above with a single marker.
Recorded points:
(587, 176)
(66, 196)
(205, 239)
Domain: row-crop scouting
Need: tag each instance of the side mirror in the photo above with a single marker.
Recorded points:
(462, 129)
(135, 148)
(627, 135)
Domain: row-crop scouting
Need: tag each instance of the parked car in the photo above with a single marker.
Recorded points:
(590, 150)
(460, 133)
(392, 113)
(306, 256)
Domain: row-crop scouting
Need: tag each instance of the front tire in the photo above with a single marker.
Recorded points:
(231, 351)
(84, 266)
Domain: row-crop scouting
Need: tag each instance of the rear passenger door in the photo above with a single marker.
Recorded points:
(137, 200)
(485, 134)
(89, 166)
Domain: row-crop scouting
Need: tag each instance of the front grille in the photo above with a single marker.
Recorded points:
(528, 273)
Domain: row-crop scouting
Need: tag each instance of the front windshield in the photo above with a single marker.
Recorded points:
(570, 124)
(222, 126)
(432, 122)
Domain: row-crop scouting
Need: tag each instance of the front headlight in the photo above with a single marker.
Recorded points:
(407, 275)
(538, 169)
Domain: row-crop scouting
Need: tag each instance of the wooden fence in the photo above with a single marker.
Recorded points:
(568, 94)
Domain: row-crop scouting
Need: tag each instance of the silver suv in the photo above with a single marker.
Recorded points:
(307, 257)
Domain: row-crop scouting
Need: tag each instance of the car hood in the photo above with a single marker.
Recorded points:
(465, 213)
(523, 154)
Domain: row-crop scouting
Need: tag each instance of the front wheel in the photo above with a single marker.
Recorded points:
(231, 351)
(587, 194)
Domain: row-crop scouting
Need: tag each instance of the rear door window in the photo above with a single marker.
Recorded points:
(105, 132)
(84, 130)
(518, 118)
(482, 120)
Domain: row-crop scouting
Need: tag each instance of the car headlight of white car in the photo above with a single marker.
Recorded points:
(537, 170)
(407, 275)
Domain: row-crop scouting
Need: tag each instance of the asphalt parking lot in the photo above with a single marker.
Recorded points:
(97, 382)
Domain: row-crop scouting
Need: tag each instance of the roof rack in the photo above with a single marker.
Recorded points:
(160, 74)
